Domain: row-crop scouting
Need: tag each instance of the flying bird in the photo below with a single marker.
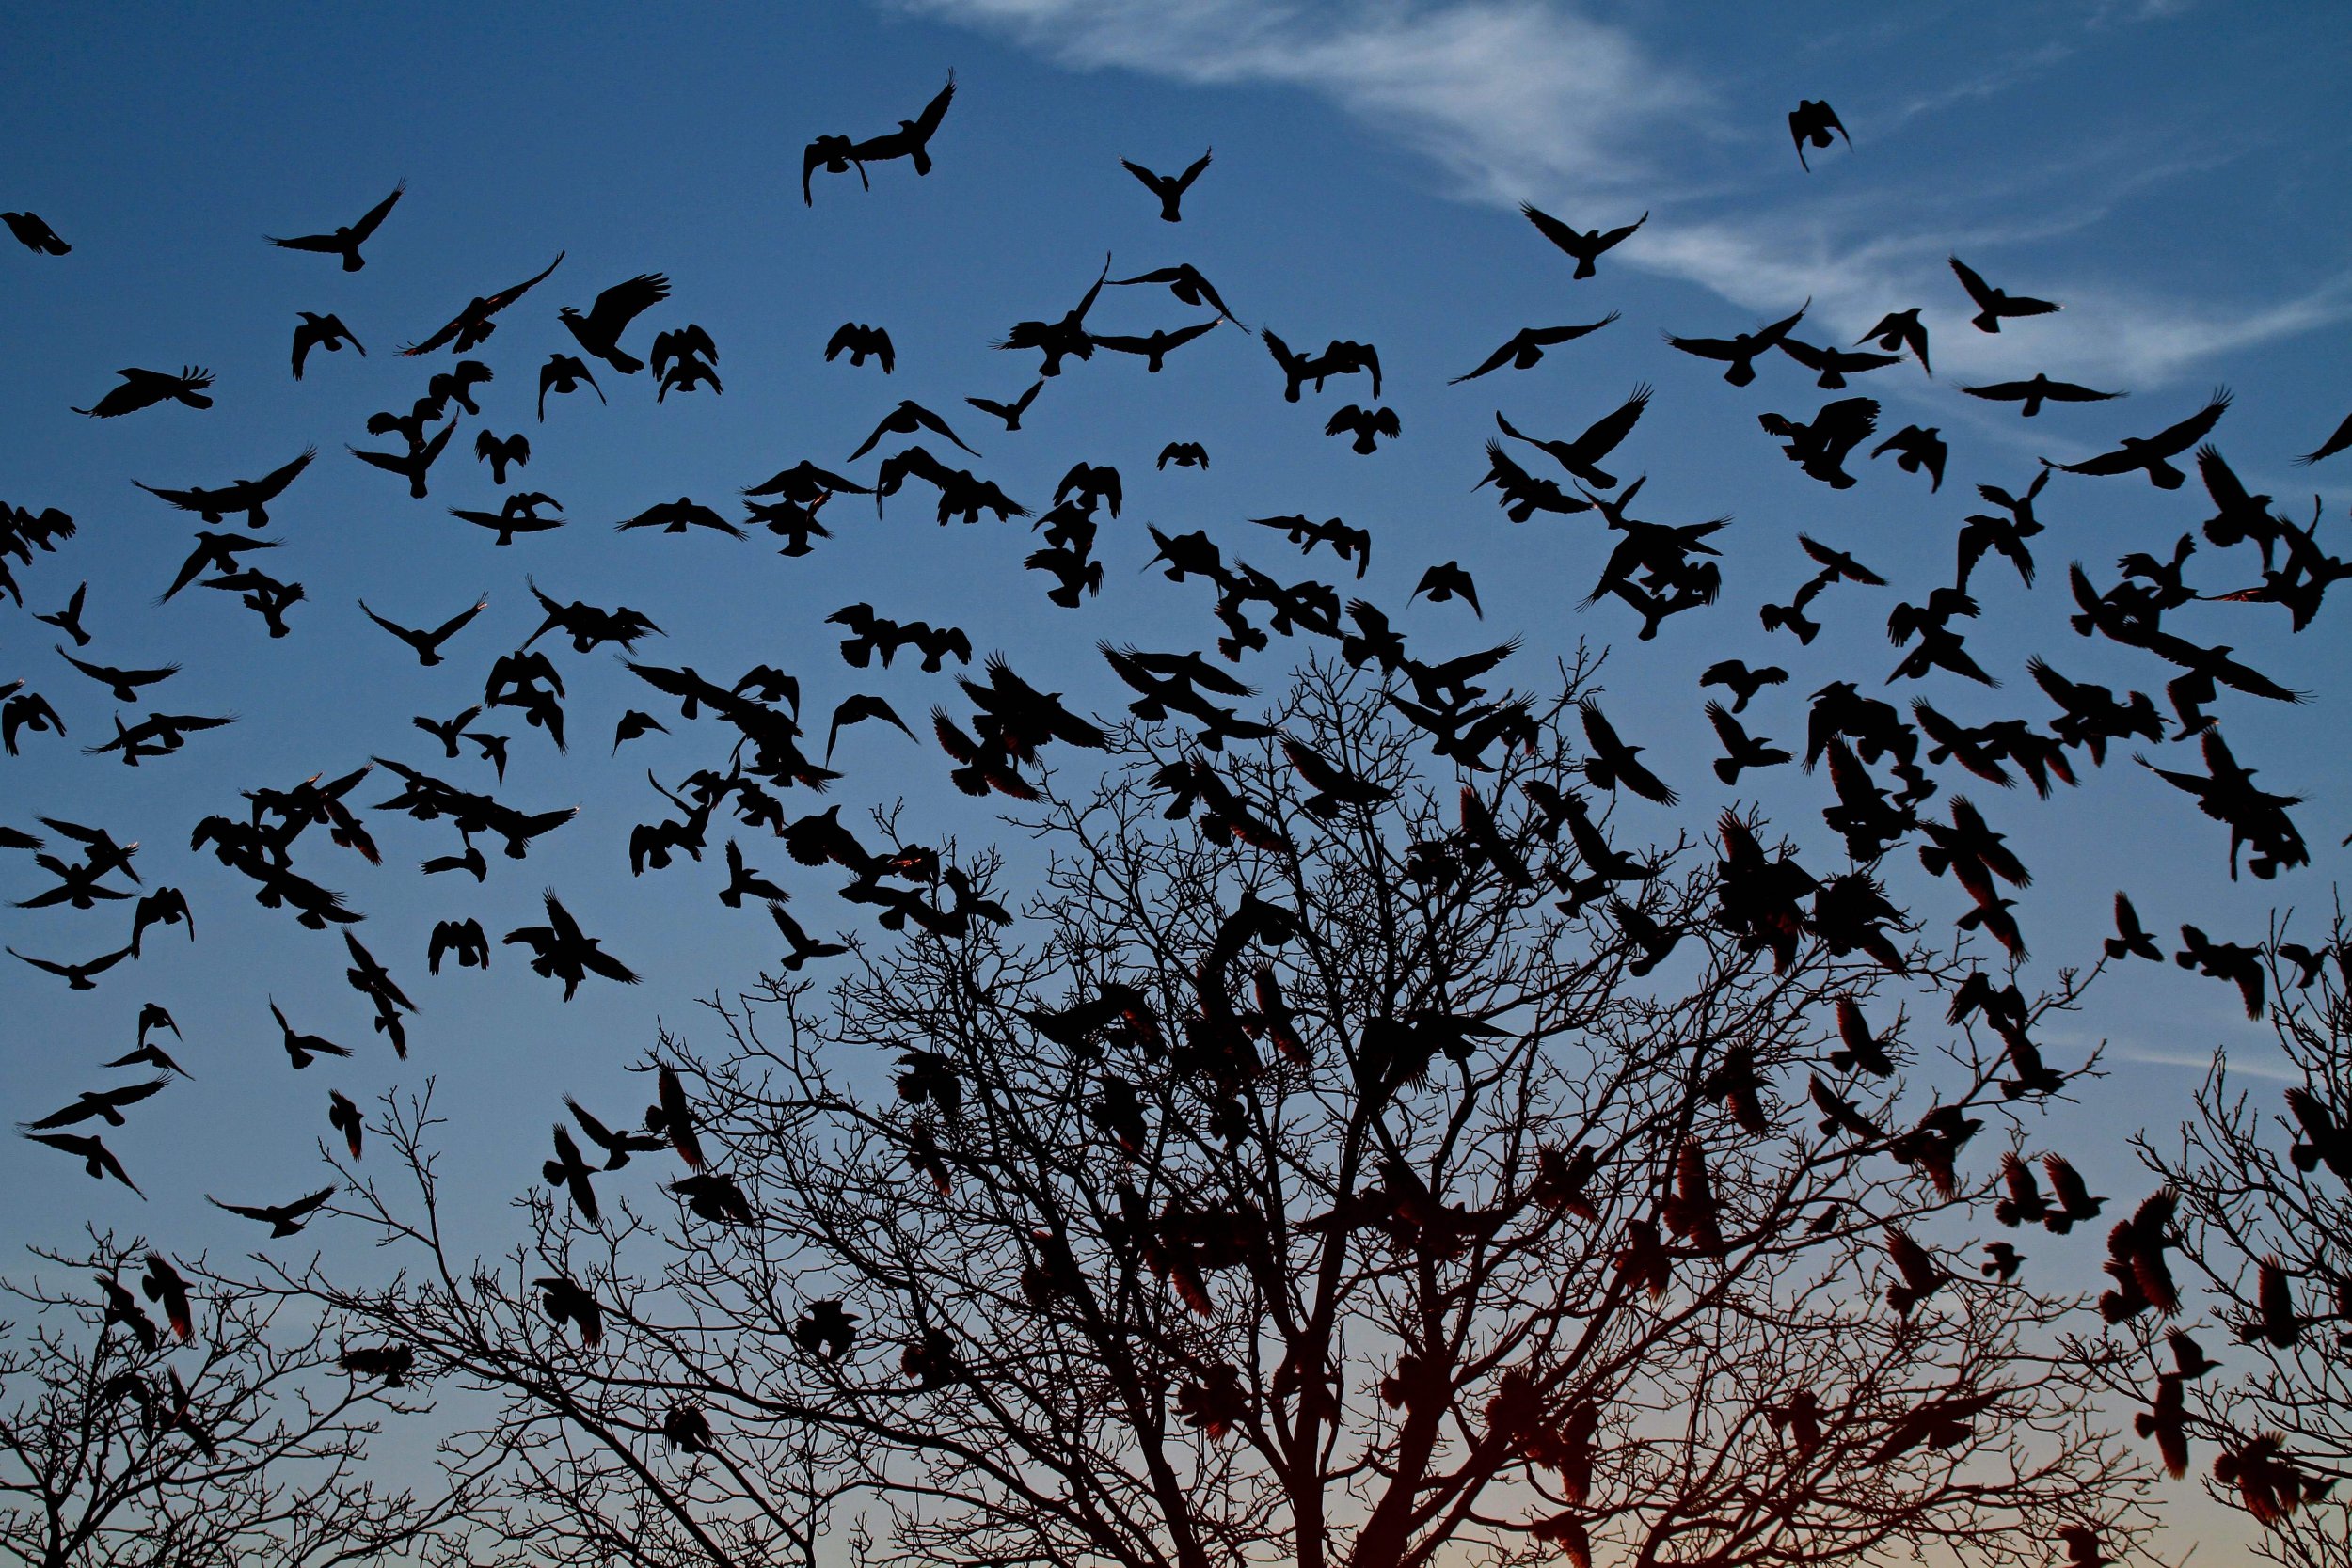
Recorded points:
(1901, 329)
(346, 238)
(146, 388)
(284, 1219)
(1993, 305)
(860, 341)
(2037, 391)
(1812, 120)
(562, 374)
(1169, 188)
(33, 232)
(2151, 455)
(1525, 348)
(598, 332)
(328, 332)
(473, 325)
(1585, 246)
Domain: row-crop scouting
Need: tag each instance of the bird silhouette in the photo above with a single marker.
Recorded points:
(1169, 188)
(1585, 246)
(598, 332)
(1901, 329)
(321, 331)
(1741, 351)
(473, 325)
(1994, 306)
(564, 374)
(283, 1219)
(33, 232)
(1813, 120)
(860, 341)
(146, 388)
(346, 238)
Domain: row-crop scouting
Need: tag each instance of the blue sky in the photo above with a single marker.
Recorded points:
(2176, 174)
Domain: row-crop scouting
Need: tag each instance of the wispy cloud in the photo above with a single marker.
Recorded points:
(1530, 100)
(1514, 98)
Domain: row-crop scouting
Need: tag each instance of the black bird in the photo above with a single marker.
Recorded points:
(1585, 246)
(464, 940)
(98, 1104)
(1582, 456)
(1901, 329)
(303, 1048)
(348, 239)
(1812, 120)
(1186, 283)
(1524, 349)
(343, 1116)
(1184, 454)
(502, 452)
(473, 325)
(1741, 749)
(413, 464)
(634, 724)
(2150, 453)
(562, 951)
(860, 341)
(1449, 581)
(77, 976)
(328, 332)
(283, 1219)
(1367, 425)
(34, 233)
(742, 880)
(617, 1147)
(1741, 351)
(912, 140)
(1743, 682)
(165, 905)
(1833, 365)
(1613, 761)
(1821, 448)
(1154, 347)
(683, 358)
(2130, 937)
(1169, 188)
(803, 947)
(25, 710)
(145, 388)
(676, 516)
(1010, 412)
(518, 514)
(1993, 305)
(1981, 532)
(427, 645)
(97, 1158)
(2034, 393)
(124, 684)
(905, 419)
(568, 1170)
(213, 552)
(598, 332)
(562, 374)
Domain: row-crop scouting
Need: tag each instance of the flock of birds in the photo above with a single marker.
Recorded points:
(276, 837)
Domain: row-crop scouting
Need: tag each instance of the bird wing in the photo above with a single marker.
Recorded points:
(617, 306)
(375, 216)
(1978, 290)
(1605, 433)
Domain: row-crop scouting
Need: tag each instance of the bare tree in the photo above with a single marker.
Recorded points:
(215, 1430)
(1309, 1182)
(2253, 1198)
